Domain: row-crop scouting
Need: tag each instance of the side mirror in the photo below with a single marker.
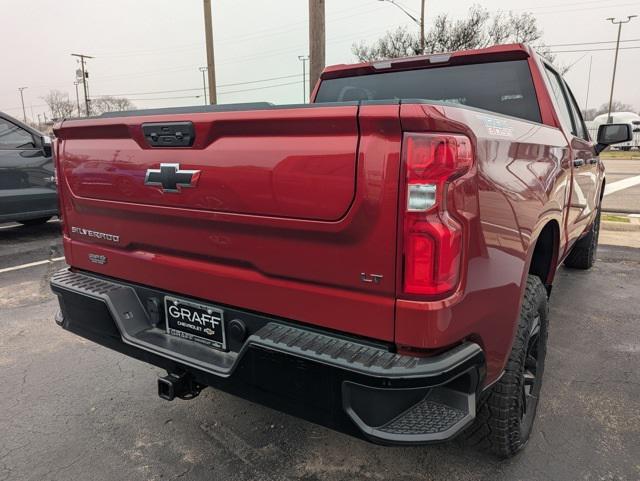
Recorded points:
(45, 143)
(609, 134)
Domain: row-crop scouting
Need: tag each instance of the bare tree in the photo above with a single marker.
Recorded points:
(394, 44)
(448, 35)
(479, 29)
(104, 104)
(59, 104)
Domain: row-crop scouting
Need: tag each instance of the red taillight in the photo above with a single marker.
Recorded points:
(432, 237)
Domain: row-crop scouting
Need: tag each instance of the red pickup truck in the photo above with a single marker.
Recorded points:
(378, 261)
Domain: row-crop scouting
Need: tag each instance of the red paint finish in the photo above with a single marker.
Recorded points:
(516, 185)
(293, 265)
(293, 205)
(295, 165)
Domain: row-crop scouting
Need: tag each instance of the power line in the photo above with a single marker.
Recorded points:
(593, 50)
(563, 5)
(585, 8)
(221, 93)
(243, 38)
(198, 88)
(591, 43)
(261, 88)
(169, 98)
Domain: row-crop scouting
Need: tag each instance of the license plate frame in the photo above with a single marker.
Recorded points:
(190, 320)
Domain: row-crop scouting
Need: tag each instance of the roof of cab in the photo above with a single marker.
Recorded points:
(498, 52)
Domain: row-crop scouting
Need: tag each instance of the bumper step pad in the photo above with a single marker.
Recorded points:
(426, 417)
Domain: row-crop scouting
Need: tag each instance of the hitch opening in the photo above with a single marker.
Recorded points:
(180, 386)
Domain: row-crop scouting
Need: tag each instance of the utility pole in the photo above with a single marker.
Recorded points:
(84, 80)
(204, 83)
(211, 68)
(422, 39)
(24, 115)
(76, 83)
(303, 59)
(615, 61)
(316, 41)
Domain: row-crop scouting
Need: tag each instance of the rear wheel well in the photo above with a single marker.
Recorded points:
(545, 254)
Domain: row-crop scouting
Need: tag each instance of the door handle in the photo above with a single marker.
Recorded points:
(594, 160)
(578, 162)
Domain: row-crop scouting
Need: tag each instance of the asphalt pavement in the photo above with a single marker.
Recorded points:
(72, 410)
(627, 199)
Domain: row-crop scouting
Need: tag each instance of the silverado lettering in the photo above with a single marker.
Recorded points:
(95, 234)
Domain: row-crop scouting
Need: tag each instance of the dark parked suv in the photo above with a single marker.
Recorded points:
(27, 177)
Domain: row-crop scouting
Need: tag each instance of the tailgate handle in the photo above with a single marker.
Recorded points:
(169, 134)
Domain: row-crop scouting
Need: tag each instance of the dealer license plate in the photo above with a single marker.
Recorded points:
(194, 321)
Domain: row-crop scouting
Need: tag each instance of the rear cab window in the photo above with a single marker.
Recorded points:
(502, 87)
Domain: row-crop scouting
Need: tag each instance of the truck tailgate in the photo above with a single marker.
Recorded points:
(287, 209)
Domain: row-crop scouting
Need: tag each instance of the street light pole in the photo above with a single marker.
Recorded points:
(204, 83)
(24, 115)
(419, 23)
(303, 59)
(615, 61)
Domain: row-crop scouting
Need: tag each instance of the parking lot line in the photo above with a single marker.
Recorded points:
(31, 264)
(13, 225)
(621, 185)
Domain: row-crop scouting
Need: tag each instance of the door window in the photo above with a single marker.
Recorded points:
(563, 106)
(580, 130)
(14, 137)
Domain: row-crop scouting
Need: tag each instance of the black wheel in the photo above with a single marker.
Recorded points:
(38, 221)
(506, 411)
(583, 253)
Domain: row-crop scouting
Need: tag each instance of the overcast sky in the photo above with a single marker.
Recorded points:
(154, 46)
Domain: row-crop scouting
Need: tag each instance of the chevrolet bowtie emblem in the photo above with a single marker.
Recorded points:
(171, 178)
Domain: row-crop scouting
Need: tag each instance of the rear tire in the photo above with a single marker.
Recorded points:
(583, 253)
(38, 221)
(506, 411)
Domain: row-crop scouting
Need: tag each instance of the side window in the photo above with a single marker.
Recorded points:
(14, 137)
(558, 93)
(580, 131)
